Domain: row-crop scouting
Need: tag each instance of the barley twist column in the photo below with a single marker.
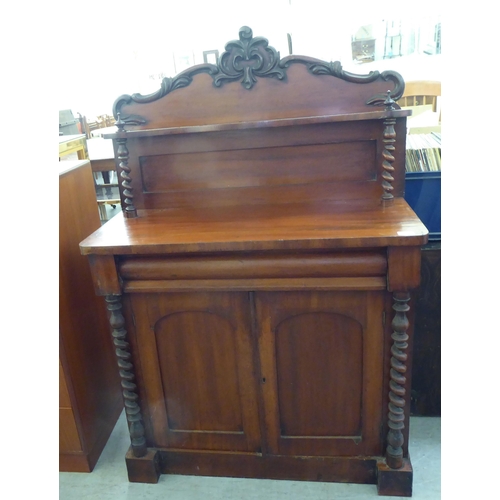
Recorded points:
(132, 409)
(395, 440)
(389, 138)
(123, 156)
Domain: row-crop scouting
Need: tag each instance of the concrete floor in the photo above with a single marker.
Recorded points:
(109, 479)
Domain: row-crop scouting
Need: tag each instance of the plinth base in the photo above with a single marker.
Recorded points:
(395, 482)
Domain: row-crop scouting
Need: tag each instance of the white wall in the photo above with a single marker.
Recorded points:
(116, 46)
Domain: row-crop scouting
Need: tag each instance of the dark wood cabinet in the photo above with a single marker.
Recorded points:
(426, 376)
(259, 279)
(90, 399)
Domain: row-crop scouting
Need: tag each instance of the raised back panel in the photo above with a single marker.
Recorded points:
(257, 129)
(260, 166)
(256, 167)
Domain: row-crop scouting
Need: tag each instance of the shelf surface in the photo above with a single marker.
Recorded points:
(301, 226)
(282, 122)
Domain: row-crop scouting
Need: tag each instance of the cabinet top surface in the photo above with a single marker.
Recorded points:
(67, 166)
(301, 226)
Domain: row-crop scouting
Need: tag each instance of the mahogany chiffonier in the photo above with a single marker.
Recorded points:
(258, 279)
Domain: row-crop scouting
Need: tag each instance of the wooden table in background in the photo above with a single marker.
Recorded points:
(69, 144)
(101, 156)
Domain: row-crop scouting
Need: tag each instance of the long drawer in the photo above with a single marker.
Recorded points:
(267, 271)
(339, 264)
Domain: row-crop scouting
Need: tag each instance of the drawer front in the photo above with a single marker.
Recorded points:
(235, 266)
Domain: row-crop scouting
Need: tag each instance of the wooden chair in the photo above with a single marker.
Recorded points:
(423, 96)
(101, 204)
(421, 93)
(87, 126)
(105, 121)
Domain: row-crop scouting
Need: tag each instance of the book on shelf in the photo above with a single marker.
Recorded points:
(423, 152)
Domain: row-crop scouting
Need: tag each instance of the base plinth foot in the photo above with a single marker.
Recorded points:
(395, 482)
(144, 469)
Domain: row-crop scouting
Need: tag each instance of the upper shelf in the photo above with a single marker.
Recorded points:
(281, 122)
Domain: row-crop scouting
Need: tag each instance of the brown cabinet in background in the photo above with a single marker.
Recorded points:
(426, 376)
(89, 388)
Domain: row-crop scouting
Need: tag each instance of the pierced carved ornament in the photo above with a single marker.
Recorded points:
(247, 59)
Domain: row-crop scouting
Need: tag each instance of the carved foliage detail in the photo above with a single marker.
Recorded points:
(397, 384)
(248, 58)
(132, 409)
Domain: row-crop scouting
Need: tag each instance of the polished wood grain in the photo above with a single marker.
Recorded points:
(328, 225)
(258, 167)
(90, 399)
(104, 274)
(404, 268)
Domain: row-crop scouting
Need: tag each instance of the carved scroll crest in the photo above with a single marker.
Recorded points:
(250, 58)
(168, 84)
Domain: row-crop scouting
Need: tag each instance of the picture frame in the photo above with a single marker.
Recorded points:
(210, 56)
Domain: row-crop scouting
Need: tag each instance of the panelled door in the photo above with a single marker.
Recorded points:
(197, 359)
(312, 361)
(321, 357)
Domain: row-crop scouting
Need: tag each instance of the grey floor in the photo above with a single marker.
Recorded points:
(109, 480)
